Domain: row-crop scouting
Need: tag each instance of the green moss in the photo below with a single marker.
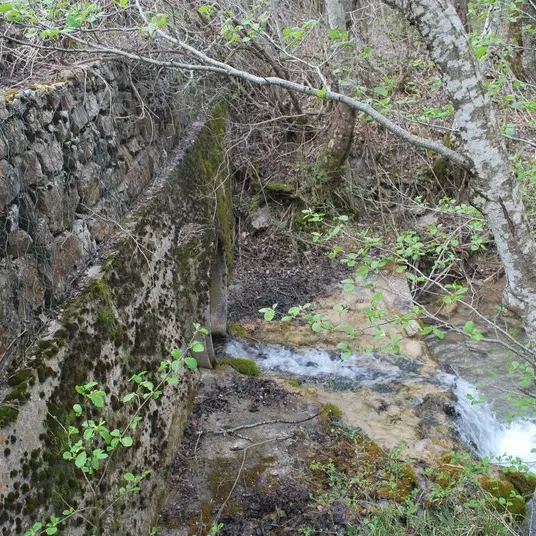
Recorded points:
(47, 347)
(7, 415)
(237, 330)
(294, 383)
(331, 412)
(279, 188)
(524, 483)
(19, 393)
(247, 367)
(505, 497)
(21, 376)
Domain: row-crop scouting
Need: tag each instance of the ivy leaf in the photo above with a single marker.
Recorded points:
(176, 353)
(97, 397)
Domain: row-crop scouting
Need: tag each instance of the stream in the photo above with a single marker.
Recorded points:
(464, 369)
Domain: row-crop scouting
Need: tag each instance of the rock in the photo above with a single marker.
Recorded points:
(261, 218)
(30, 168)
(18, 243)
(89, 186)
(9, 184)
(58, 201)
(49, 153)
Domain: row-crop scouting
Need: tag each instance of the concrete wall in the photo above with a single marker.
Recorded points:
(74, 157)
(158, 275)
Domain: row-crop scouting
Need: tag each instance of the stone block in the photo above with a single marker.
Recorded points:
(67, 256)
(86, 145)
(105, 124)
(79, 118)
(19, 243)
(29, 167)
(89, 185)
(138, 176)
(9, 183)
(68, 101)
(30, 288)
(57, 201)
(49, 152)
(14, 133)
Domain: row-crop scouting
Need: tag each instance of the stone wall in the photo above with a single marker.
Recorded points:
(160, 275)
(74, 156)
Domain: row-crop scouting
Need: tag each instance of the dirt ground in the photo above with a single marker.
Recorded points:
(250, 478)
(273, 266)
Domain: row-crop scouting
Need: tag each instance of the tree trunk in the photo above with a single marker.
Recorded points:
(493, 185)
(462, 10)
(515, 37)
(529, 41)
(340, 133)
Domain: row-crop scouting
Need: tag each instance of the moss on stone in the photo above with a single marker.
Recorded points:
(331, 412)
(237, 330)
(505, 496)
(524, 483)
(279, 188)
(18, 393)
(7, 414)
(294, 383)
(47, 347)
(248, 367)
(22, 376)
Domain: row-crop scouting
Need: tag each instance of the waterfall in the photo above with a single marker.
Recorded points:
(481, 429)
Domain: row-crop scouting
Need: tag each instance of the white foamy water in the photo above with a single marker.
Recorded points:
(480, 428)
(363, 370)
(478, 424)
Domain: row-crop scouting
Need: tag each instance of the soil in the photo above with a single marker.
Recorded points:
(250, 460)
(253, 478)
(273, 266)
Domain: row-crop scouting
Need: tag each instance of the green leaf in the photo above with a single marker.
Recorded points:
(129, 477)
(97, 398)
(176, 353)
(51, 530)
(321, 93)
(127, 441)
(190, 362)
(77, 408)
(198, 346)
(128, 397)
(380, 90)
(316, 327)
(81, 459)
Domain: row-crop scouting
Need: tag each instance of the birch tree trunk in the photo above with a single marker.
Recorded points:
(493, 184)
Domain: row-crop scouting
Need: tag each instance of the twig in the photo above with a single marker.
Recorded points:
(263, 423)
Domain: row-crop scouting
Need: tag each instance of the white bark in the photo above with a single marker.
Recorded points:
(493, 184)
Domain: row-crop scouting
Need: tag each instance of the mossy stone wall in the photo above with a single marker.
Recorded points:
(153, 283)
(75, 155)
